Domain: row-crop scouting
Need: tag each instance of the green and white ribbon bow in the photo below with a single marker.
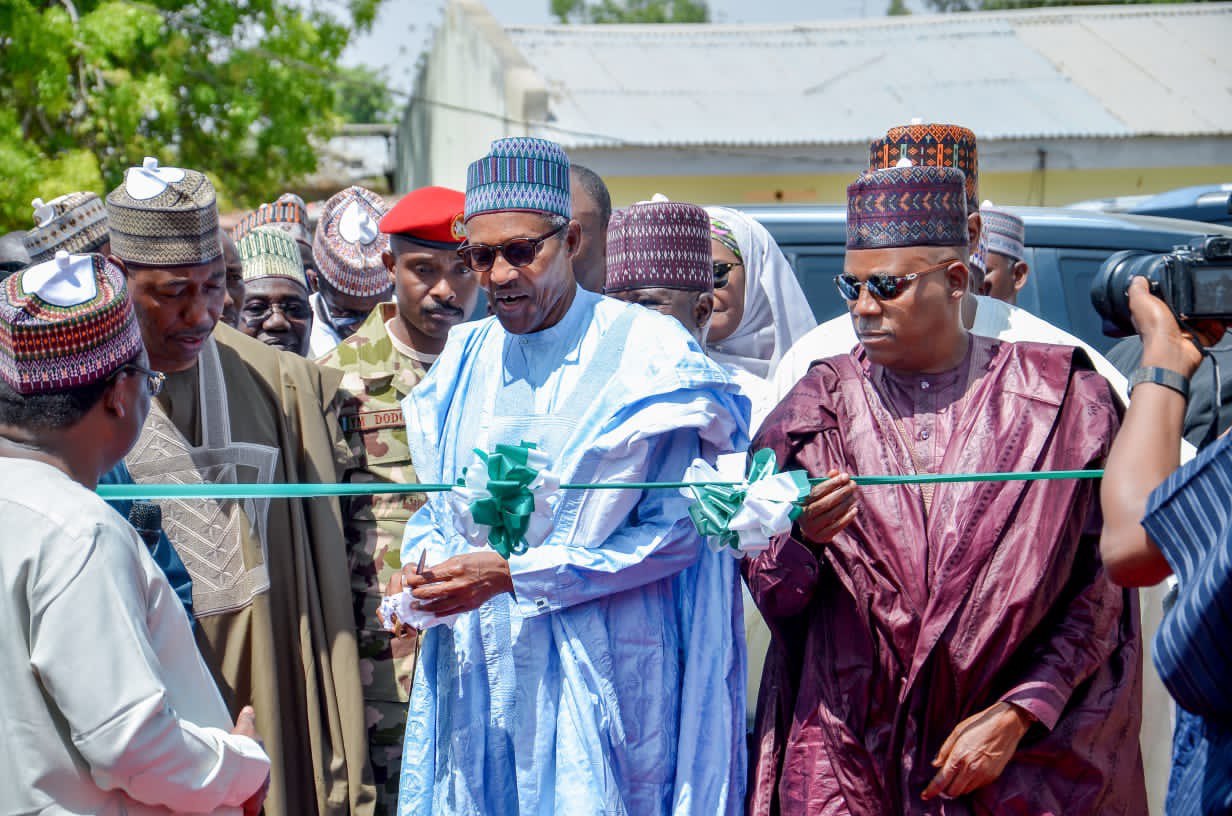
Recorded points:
(741, 518)
(505, 499)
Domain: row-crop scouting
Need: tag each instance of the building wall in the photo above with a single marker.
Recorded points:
(1010, 172)
(1060, 187)
(359, 154)
(473, 87)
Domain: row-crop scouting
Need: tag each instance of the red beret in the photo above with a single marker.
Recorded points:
(430, 215)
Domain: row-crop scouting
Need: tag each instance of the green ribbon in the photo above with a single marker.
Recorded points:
(717, 502)
(507, 511)
(312, 490)
(223, 492)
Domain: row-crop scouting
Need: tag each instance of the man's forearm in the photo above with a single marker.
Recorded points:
(1145, 451)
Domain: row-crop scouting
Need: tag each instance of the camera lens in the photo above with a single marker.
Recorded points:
(1110, 287)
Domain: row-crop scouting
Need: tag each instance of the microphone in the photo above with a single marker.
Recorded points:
(147, 520)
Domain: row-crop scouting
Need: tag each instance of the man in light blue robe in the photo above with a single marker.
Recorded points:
(603, 670)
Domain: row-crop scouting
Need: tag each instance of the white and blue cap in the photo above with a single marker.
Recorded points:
(1000, 231)
(519, 174)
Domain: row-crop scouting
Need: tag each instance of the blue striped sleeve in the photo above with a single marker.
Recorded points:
(1189, 517)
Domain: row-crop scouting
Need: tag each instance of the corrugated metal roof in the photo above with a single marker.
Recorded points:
(1081, 72)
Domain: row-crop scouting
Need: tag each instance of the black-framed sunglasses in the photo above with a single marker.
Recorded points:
(883, 287)
(517, 252)
(154, 380)
(722, 272)
(295, 311)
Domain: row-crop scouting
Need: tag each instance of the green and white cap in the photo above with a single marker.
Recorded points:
(270, 252)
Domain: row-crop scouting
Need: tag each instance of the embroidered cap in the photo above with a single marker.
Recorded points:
(268, 252)
(519, 174)
(1000, 231)
(348, 243)
(660, 244)
(65, 323)
(164, 216)
(934, 145)
(431, 216)
(907, 206)
(75, 222)
(288, 213)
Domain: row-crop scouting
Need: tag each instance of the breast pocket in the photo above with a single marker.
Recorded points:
(377, 438)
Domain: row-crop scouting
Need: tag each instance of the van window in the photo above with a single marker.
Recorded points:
(1078, 268)
(816, 270)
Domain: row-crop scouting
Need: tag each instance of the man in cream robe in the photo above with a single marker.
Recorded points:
(108, 708)
(270, 588)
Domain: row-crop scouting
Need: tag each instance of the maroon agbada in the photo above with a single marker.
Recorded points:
(910, 622)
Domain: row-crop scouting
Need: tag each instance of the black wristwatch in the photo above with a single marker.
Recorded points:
(1160, 376)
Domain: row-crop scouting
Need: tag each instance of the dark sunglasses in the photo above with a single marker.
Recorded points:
(517, 252)
(344, 317)
(294, 311)
(722, 272)
(154, 380)
(883, 287)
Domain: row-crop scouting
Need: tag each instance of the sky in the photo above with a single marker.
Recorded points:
(403, 27)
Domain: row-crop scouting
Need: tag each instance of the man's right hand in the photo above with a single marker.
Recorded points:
(246, 726)
(830, 507)
(1164, 342)
(394, 587)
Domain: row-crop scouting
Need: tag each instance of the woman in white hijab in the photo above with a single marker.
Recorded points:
(759, 312)
(760, 309)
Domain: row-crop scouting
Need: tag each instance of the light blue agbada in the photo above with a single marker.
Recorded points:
(613, 682)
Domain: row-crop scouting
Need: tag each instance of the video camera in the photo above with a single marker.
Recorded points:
(1195, 280)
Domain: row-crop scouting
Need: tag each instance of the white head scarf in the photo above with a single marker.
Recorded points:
(776, 312)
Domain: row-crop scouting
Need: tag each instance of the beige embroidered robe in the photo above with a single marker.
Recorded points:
(271, 586)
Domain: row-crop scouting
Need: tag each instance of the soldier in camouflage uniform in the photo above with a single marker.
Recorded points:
(381, 363)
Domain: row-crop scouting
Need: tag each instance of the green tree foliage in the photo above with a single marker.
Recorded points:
(241, 90)
(631, 11)
(1000, 5)
(364, 96)
(898, 8)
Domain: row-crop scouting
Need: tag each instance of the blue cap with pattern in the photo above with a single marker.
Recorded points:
(519, 174)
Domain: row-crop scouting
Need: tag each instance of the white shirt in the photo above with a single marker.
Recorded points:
(322, 339)
(107, 705)
(993, 318)
(759, 392)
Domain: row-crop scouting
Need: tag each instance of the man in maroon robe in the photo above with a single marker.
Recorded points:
(950, 648)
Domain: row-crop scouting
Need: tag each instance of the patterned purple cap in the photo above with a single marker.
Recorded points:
(660, 244)
(907, 206)
(348, 243)
(65, 323)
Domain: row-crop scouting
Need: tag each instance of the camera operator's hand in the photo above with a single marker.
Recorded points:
(1147, 447)
(1164, 342)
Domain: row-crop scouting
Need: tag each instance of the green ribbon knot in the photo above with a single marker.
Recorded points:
(504, 494)
(744, 516)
